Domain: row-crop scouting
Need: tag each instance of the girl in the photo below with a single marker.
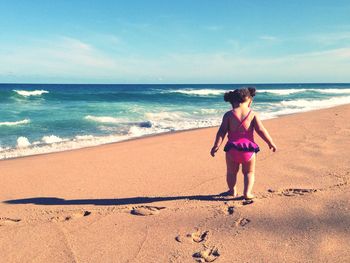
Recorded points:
(240, 148)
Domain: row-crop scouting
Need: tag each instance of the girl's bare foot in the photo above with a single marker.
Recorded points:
(230, 192)
(233, 192)
(249, 197)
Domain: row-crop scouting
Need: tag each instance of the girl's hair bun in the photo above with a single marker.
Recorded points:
(228, 96)
(252, 91)
(239, 95)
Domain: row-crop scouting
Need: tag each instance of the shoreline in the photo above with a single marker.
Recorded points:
(154, 135)
(162, 193)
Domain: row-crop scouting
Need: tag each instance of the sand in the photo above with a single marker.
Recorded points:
(156, 199)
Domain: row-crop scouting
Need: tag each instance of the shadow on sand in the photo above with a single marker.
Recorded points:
(118, 201)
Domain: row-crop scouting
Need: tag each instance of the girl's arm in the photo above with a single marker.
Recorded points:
(220, 135)
(263, 133)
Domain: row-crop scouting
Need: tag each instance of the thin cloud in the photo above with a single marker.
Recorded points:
(71, 58)
(338, 53)
(60, 56)
(329, 38)
(75, 44)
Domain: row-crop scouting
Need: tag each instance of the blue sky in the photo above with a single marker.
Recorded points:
(192, 41)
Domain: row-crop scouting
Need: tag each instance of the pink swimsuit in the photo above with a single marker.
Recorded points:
(241, 144)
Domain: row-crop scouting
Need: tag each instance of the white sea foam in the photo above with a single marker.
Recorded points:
(209, 92)
(164, 115)
(108, 128)
(4, 149)
(22, 142)
(315, 104)
(52, 144)
(199, 92)
(14, 123)
(210, 111)
(52, 139)
(281, 91)
(292, 91)
(84, 137)
(24, 148)
(136, 131)
(104, 119)
(301, 105)
(27, 93)
(333, 91)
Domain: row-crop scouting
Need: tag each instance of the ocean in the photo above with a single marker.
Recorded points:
(42, 118)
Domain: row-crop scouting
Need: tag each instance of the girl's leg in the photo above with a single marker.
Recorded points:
(248, 170)
(231, 175)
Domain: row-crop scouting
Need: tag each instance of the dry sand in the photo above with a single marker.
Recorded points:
(155, 199)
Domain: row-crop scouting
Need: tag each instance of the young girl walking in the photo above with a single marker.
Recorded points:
(240, 124)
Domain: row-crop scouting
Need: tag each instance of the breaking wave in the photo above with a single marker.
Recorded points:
(293, 91)
(104, 119)
(27, 93)
(14, 123)
(199, 92)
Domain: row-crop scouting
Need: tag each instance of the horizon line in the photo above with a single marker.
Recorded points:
(238, 83)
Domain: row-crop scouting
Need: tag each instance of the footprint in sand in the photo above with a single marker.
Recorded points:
(197, 236)
(68, 217)
(247, 202)
(8, 221)
(230, 210)
(297, 191)
(146, 210)
(242, 221)
(207, 255)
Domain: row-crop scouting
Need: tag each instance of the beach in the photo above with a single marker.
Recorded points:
(155, 199)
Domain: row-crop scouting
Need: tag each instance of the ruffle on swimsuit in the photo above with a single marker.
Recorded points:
(242, 145)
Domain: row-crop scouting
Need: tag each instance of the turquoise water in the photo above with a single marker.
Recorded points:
(36, 118)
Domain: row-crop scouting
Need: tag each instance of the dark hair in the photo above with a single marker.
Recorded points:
(239, 95)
